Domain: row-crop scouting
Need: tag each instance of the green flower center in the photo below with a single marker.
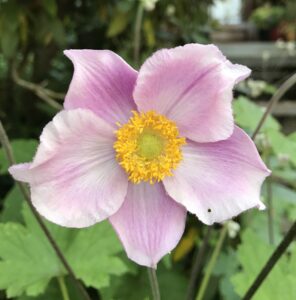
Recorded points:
(150, 144)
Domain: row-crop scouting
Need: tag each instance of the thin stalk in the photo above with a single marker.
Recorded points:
(153, 283)
(274, 100)
(270, 218)
(44, 94)
(270, 211)
(137, 37)
(9, 154)
(197, 264)
(212, 263)
(63, 288)
(279, 251)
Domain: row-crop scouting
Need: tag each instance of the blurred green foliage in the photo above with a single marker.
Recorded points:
(268, 16)
(33, 34)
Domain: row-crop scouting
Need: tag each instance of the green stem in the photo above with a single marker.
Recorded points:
(197, 265)
(212, 263)
(270, 210)
(273, 101)
(270, 219)
(276, 255)
(153, 283)
(63, 288)
(137, 37)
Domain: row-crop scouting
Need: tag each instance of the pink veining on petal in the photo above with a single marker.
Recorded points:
(191, 85)
(102, 82)
(74, 178)
(149, 223)
(217, 181)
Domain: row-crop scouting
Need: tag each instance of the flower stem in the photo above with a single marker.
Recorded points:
(212, 263)
(137, 37)
(63, 288)
(270, 210)
(279, 251)
(274, 100)
(197, 264)
(153, 283)
(44, 94)
(9, 155)
(270, 219)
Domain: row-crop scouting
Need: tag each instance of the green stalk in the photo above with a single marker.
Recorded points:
(153, 283)
(63, 288)
(212, 263)
(137, 37)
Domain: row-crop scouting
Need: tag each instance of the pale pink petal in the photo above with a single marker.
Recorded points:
(102, 82)
(191, 85)
(149, 223)
(217, 181)
(74, 178)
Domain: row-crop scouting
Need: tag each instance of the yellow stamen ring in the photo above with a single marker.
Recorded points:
(148, 147)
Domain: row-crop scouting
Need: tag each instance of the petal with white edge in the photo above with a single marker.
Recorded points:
(74, 178)
(218, 181)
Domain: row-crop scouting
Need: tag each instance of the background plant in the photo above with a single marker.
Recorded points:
(33, 35)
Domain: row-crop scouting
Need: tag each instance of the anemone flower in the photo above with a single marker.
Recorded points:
(142, 148)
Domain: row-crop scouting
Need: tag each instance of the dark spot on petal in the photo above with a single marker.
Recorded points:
(209, 210)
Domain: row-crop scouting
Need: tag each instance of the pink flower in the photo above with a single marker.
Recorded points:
(142, 148)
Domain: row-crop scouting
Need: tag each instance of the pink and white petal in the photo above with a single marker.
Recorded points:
(149, 223)
(102, 82)
(191, 85)
(217, 181)
(74, 178)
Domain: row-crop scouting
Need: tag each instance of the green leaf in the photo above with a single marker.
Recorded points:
(283, 202)
(287, 174)
(53, 292)
(9, 42)
(28, 262)
(9, 24)
(23, 151)
(247, 115)
(292, 136)
(50, 6)
(226, 266)
(252, 254)
(12, 206)
(93, 255)
(282, 144)
(92, 252)
(58, 32)
(118, 23)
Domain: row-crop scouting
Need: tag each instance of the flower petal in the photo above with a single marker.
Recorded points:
(217, 181)
(102, 82)
(191, 85)
(149, 223)
(74, 178)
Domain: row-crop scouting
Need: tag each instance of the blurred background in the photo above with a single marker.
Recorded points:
(34, 77)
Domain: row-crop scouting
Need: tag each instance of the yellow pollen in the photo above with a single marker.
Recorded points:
(148, 147)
